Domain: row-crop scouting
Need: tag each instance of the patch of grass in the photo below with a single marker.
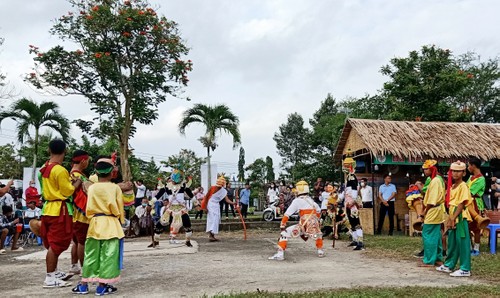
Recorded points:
(461, 291)
(485, 267)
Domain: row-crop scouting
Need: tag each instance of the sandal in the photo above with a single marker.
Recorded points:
(2, 251)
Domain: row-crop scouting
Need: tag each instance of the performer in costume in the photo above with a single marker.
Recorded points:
(211, 203)
(414, 199)
(331, 214)
(56, 225)
(80, 161)
(477, 186)
(433, 215)
(351, 202)
(176, 214)
(308, 226)
(457, 198)
(104, 244)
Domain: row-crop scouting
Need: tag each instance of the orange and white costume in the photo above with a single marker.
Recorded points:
(309, 223)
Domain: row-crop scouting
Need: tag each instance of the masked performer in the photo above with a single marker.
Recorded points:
(176, 214)
(351, 202)
(308, 226)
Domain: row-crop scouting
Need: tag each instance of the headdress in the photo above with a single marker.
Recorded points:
(302, 187)
(429, 163)
(349, 164)
(79, 155)
(458, 166)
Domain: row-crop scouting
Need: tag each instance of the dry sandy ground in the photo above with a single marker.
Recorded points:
(232, 265)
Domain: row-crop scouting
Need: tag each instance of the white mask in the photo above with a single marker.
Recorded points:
(363, 184)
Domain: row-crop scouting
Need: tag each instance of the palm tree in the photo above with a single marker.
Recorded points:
(214, 118)
(28, 114)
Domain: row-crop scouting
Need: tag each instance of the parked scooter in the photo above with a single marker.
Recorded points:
(273, 212)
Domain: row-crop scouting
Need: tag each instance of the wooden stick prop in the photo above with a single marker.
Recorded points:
(237, 207)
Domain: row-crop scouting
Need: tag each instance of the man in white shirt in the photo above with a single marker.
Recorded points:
(141, 192)
(32, 212)
(366, 193)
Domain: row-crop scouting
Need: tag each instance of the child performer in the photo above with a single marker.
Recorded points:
(104, 245)
(458, 198)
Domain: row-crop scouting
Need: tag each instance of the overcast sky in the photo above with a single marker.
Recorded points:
(264, 59)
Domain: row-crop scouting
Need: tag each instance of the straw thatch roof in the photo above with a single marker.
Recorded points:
(407, 139)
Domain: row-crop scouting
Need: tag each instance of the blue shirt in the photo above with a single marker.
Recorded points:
(387, 190)
(245, 196)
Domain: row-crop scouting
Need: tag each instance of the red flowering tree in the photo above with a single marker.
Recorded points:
(126, 59)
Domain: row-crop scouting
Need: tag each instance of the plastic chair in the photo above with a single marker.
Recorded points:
(494, 229)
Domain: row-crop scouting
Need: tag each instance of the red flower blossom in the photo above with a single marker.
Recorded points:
(98, 55)
(40, 55)
(32, 75)
(126, 3)
(107, 53)
(89, 17)
(155, 27)
(142, 33)
(470, 76)
(141, 12)
(95, 8)
(126, 34)
(129, 19)
(82, 12)
(78, 52)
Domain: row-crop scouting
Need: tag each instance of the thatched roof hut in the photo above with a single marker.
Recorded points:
(416, 140)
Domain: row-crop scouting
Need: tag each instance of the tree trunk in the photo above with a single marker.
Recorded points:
(124, 154)
(33, 172)
(209, 168)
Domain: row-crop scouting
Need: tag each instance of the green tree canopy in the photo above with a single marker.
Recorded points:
(292, 142)
(125, 60)
(29, 115)
(9, 162)
(269, 169)
(434, 85)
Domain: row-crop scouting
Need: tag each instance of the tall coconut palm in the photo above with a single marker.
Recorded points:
(218, 118)
(30, 115)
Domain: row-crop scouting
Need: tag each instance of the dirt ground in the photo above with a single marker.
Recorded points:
(230, 266)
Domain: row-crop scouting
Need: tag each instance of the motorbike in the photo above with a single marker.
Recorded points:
(272, 212)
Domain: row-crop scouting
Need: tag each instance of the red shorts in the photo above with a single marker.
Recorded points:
(57, 231)
(80, 232)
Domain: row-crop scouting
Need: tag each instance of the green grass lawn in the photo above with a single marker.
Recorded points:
(485, 267)
(461, 291)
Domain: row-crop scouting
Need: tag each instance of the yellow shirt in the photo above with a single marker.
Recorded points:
(56, 188)
(77, 214)
(460, 194)
(435, 195)
(105, 198)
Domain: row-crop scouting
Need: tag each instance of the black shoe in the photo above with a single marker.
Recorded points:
(360, 246)
(419, 255)
(188, 243)
(390, 234)
(354, 243)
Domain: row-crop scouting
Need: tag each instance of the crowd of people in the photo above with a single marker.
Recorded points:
(94, 213)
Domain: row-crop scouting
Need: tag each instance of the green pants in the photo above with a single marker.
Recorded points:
(459, 246)
(433, 243)
(102, 261)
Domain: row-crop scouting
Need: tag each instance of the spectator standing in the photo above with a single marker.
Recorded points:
(495, 193)
(387, 196)
(366, 193)
(245, 199)
(141, 192)
(225, 205)
(272, 193)
(31, 194)
(318, 188)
